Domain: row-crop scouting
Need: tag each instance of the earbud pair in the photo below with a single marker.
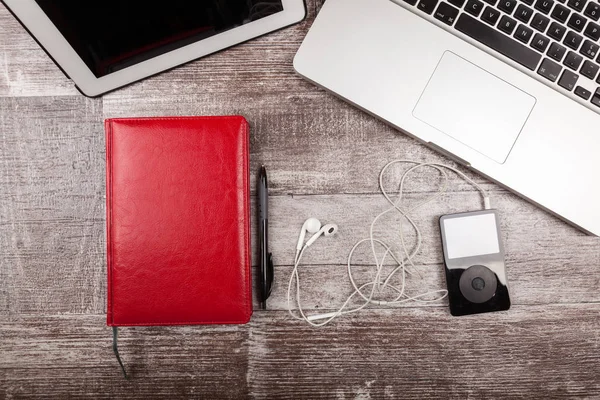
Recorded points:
(313, 225)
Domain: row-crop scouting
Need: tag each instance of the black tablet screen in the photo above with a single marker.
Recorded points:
(110, 35)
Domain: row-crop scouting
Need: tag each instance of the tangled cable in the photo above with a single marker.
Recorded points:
(380, 283)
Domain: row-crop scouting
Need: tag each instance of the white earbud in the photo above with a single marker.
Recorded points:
(327, 230)
(311, 225)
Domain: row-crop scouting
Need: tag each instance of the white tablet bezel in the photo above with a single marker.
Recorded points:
(41, 27)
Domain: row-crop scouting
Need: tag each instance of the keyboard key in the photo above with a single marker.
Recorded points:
(556, 31)
(556, 51)
(576, 4)
(596, 99)
(523, 33)
(523, 13)
(577, 22)
(457, 3)
(490, 37)
(593, 10)
(411, 2)
(427, 6)
(540, 22)
(491, 2)
(544, 5)
(490, 15)
(568, 80)
(474, 7)
(583, 93)
(560, 13)
(528, 2)
(507, 5)
(507, 25)
(549, 70)
(573, 40)
(573, 61)
(589, 49)
(540, 42)
(446, 13)
(589, 69)
(592, 31)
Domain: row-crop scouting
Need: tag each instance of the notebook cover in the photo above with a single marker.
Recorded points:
(178, 236)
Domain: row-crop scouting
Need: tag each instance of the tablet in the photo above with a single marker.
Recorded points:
(105, 44)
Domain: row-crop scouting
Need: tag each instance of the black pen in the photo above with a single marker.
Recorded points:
(266, 259)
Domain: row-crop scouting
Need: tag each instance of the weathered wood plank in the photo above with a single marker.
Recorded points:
(25, 70)
(530, 352)
(71, 357)
(51, 204)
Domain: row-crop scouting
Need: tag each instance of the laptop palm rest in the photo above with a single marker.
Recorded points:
(474, 107)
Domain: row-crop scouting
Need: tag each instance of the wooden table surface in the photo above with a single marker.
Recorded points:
(324, 157)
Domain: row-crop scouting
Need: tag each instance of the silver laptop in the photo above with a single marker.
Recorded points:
(510, 89)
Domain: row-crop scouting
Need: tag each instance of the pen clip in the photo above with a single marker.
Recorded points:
(270, 274)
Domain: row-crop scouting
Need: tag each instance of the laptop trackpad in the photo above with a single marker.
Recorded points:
(474, 107)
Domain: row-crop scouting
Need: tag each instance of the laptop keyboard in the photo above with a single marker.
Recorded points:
(558, 40)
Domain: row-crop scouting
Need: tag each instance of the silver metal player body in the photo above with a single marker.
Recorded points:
(460, 98)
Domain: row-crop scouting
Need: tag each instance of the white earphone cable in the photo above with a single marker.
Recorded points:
(402, 262)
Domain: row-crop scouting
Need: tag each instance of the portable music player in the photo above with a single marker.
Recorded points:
(474, 259)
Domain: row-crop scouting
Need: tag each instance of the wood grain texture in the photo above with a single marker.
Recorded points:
(52, 205)
(324, 158)
(545, 352)
(25, 69)
(70, 356)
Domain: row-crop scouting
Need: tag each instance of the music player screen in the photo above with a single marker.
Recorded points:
(471, 236)
(111, 35)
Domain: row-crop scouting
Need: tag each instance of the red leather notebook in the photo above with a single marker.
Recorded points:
(178, 238)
